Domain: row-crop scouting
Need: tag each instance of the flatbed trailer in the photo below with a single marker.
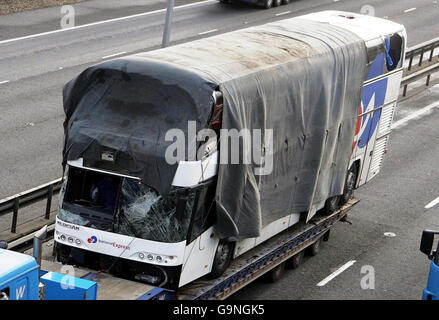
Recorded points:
(264, 258)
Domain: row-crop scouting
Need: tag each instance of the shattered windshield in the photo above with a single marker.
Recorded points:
(139, 210)
(143, 213)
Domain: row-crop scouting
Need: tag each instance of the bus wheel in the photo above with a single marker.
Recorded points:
(276, 273)
(221, 261)
(332, 204)
(351, 179)
(268, 4)
(277, 3)
(314, 249)
(295, 261)
(285, 1)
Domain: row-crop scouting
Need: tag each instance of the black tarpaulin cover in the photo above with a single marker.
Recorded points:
(300, 80)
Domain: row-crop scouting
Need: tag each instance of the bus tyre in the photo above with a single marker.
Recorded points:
(314, 249)
(268, 4)
(221, 261)
(277, 3)
(295, 261)
(351, 179)
(332, 204)
(285, 1)
(276, 273)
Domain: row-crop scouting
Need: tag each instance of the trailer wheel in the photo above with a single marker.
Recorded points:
(295, 261)
(221, 261)
(276, 273)
(285, 1)
(268, 4)
(314, 249)
(351, 179)
(277, 3)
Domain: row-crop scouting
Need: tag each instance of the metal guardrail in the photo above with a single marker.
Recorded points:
(423, 68)
(26, 198)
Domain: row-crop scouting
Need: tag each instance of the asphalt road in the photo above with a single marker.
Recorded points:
(34, 70)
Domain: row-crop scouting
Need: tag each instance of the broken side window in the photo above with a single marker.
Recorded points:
(68, 216)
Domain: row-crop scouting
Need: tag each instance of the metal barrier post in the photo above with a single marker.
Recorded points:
(49, 202)
(15, 214)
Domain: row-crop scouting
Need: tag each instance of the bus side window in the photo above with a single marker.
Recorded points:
(393, 45)
(375, 58)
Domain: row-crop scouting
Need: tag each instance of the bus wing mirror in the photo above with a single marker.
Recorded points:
(427, 242)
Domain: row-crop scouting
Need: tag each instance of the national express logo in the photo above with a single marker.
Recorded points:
(92, 239)
(373, 97)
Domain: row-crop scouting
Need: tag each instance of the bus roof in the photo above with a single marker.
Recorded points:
(365, 26)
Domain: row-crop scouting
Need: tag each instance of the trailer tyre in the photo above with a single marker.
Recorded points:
(268, 4)
(277, 3)
(221, 261)
(285, 1)
(314, 249)
(276, 273)
(295, 261)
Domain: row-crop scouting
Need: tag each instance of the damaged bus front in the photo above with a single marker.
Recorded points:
(117, 224)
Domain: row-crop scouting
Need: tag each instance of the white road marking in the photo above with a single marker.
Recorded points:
(432, 204)
(409, 10)
(206, 32)
(389, 234)
(114, 55)
(415, 115)
(3, 82)
(282, 13)
(344, 267)
(104, 21)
